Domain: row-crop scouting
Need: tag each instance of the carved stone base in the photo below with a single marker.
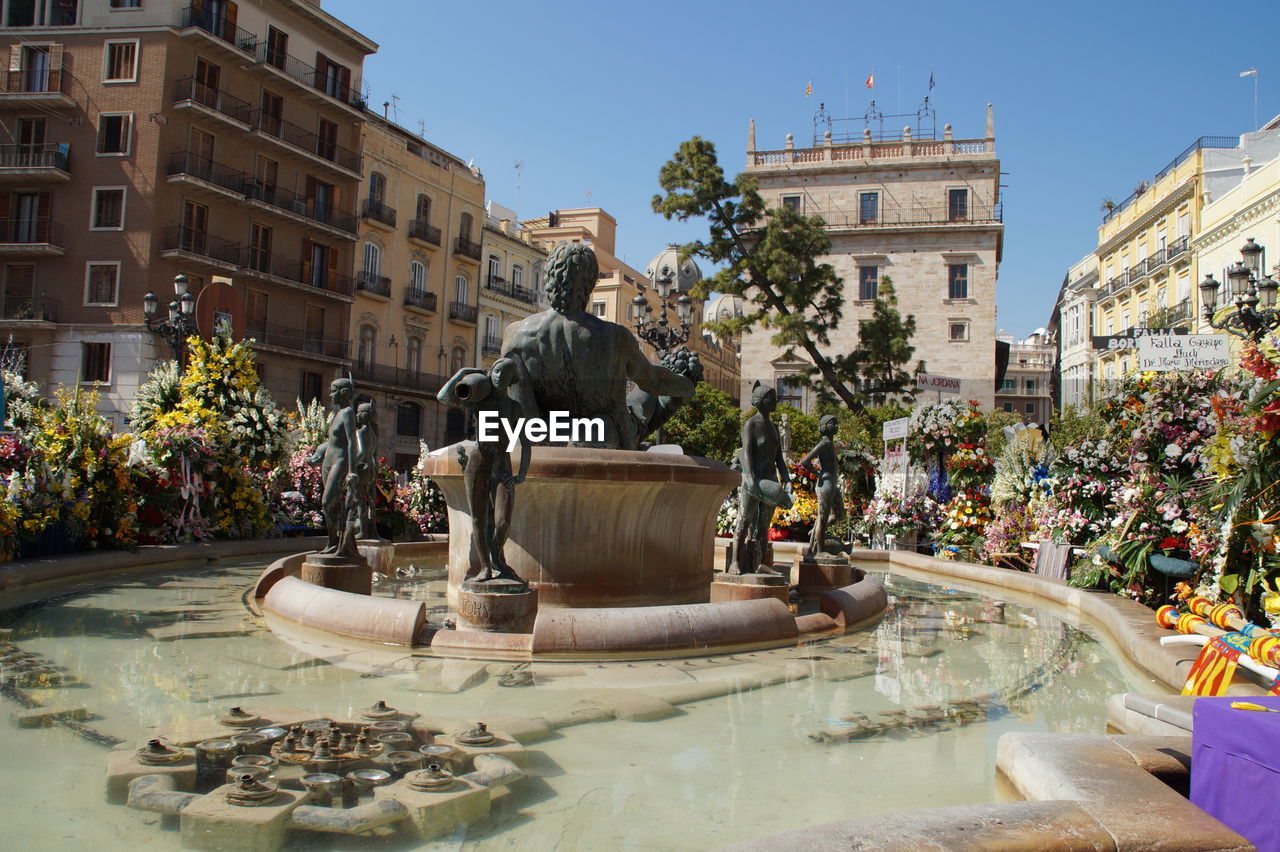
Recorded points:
(497, 606)
(338, 572)
(379, 553)
(749, 587)
(814, 578)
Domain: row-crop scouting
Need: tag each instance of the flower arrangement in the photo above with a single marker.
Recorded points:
(939, 426)
(899, 516)
(968, 465)
(964, 519)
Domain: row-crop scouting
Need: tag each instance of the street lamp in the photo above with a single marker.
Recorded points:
(660, 334)
(181, 322)
(1255, 300)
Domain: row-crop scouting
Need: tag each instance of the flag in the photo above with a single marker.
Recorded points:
(931, 79)
(1252, 72)
(808, 90)
(871, 81)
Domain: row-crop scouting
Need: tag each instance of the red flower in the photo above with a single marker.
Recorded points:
(1172, 543)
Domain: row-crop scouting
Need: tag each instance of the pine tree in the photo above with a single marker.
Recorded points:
(884, 346)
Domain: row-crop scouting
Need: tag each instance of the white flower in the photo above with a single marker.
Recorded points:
(1173, 451)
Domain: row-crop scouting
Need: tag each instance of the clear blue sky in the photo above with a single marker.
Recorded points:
(593, 97)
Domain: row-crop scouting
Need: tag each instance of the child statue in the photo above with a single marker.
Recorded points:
(486, 466)
(760, 493)
(830, 501)
(367, 470)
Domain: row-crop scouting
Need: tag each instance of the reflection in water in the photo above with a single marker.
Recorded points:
(903, 716)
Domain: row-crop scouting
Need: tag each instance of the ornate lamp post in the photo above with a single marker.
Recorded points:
(181, 323)
(1255, 300)
(660, 334)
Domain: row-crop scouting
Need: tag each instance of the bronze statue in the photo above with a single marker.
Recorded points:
(486, 466)
(830, 500)
(367, 470)
(337, 458)
(760, 494)
(571, 360)
(650, 411)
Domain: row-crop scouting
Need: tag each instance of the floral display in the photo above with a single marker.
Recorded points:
(939, 426)
(902, 517)
(964, 519)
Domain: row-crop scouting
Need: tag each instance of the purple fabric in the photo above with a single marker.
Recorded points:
(1235, 767)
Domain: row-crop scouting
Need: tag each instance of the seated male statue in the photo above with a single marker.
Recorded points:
(571, 360)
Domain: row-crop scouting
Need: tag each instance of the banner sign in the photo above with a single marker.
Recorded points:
(1129, 340)
(943, 384)
(896, 430)
(1167, 353)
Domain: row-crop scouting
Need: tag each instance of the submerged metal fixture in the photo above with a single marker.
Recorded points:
(402, 762)
(380, 710)
(370, 778)
(433, 779)
(159, 753)
(251, 743)
(273, 733)
(439, 753)
(252, 792)
(396, 739)
(238, 717)
(386, 726)
(477, 736)
(323, 786)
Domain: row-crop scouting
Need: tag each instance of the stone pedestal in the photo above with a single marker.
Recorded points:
(379, 553)
(213, 824)
(766, 557)
(822, 574)
(497, 607)
(338, 572)
(749, 587)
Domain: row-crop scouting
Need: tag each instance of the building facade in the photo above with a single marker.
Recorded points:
(926, 212)
(512, 278)
(1027, 386)
(416, 284)
(217, 140)
(1074, 334)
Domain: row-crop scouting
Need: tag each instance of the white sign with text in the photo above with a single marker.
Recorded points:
(942, 384)
(1164, 353)
(896, 430)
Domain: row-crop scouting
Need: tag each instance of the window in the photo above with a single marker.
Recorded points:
(460, 287)
(1008, 386)
(95, 363)
(457, 359)
(256, 311)
(1031, 409)
(101, 282)
(365, 347)
(310, 387)
(108, 209)
(327, 139)
(260, 247)
(958, 331)
(424, 209)
(413, 357)
(790, 392)
(114, 130)
(126, 4)
(495, 269)
(277, 47)
(314, 330)
(53, 13)
(957, 205)
(332, 79)
(417, 276)
(31, 132)
(270, 113)
(791, 202)
(869, 208)
(372, 260)
(1184, 224)
(598, 308)
(316, 260)
(195, 227)
(377, 188)
(958, 281)
(517, 277)
(464, 226)
(868, 282)
(409, 420)
(120, 62)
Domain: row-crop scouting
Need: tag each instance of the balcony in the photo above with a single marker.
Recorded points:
(182, 243)
(466, 248)
(909, 217)
(299, 209)
(395, 377)
(295, 339)
(307, 79)
(378, 212)
(28, 309)
(212, 103)
(523, 294)
(498, 284)
(35, 87)
(39, 237)
(216, 30)
(462, 312)
(297, 139)
(372, 282)
(491, 346)
(1176, 248)
(205, 174)
(294, 273)
(47, 162)
(421, 300)
(424, 231)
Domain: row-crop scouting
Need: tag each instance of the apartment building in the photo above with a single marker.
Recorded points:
(416, 282)
(145, 140)
(512, 278)
(1027, 387)
(1071, 329)
(924, 211)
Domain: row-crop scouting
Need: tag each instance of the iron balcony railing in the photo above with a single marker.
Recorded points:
(292, 202)
(292, 269)
(181, 238)
(496, 282)
(396, 377)
(491, 345)
(974, 214)
(188, 89)
(462, 312)
(13, 307)
(420, 229)
(47, 155)
(1176, 247)
(376, 210)
(1144, 187)
(295, 338)
(305, 140)
(218, 26)
(524, 294)
(307, 75)
(372, 282)
(35, 81)
(36, 231)
(209, 171)
(416, 298)
(467, 248)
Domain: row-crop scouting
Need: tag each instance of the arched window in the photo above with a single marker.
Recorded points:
(495, 271)
(517, 276)
(377, 188)
(418, 276)
(464, 226)
(409, 420)
(460, 287)
(423, 214)
(372, 260)
(457, 359)
(413, 356)
(368, 340)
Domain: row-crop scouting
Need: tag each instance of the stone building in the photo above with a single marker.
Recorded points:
(1072, 331)
(512, 288)
(924, 211)
(1028, 380)
(143, 140)
(416, 284)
